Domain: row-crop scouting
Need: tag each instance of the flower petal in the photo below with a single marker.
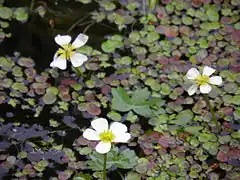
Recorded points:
(78, 59)
(100, 124)
(192, 89)
(208, 71)
(216, 80)
(59, 62)
(80, 40)
(205, 89)
(118, 128)
(103, 147)
(192, 73)
(122, 137)
(62, 40)
(90, 134)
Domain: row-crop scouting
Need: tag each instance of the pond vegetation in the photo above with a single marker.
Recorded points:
(128, 89)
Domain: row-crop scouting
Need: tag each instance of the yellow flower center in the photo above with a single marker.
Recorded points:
(66, 52)
(202, 80)
(107, 136)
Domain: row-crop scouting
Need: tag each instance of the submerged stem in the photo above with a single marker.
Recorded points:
(212, 112)
(32, 5)
(87, 27)
(104, 167)
(120, 175)
(77, 22)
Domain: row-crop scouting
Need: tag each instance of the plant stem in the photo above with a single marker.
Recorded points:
(104, 167)
(120, 175)
(77, 22)
(32, 5)
(78, 71)
(212, 112)
(87, 27)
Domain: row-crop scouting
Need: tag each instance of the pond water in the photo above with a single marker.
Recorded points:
(166, 73)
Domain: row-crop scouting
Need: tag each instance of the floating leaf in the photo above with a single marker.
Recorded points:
(110, 45)
(94, 110)
(183, 117)
(114, 116)
(21, 14)
(122, 102)
(49, 98)
(82, 176)
(5, 13)
(125, 159)
(133, 176)
(212, 14)
(26, 62)
(20, 87)
(193, 129)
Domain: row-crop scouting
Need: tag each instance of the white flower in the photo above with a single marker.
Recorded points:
(203, 80)
(67, 51)
(116, 133)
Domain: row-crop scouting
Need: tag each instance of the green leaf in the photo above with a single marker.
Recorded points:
(114, 116)
(143, 110)
(193, 129)
(21, 14)
(110, 45)
(212, 14)
(138, 103)
(133, 176)
(5, 13)
(140, 96)
(183, 118)
(20, 87)
(121, 100)
(125, 159)
(82, 176)
(49, 98)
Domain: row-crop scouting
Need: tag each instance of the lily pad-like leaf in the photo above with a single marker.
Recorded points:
(5, 13)
(21, 14)
(6, 64)
(26, 62)
(193, 129)
(183, 118)
(82, 176)
(133, 176)
(114, 116)
(212, 14)
(49, 98)
(110, 45)
(20, 87)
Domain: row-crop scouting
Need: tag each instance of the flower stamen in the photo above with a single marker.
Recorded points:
(202, 80)
(107, 136)
(66, 52)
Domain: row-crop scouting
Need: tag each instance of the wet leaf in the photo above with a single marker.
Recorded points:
(49, 98)
(5, 13)
(114, 116)
(20, 87)
(21, 14)
(82, 176)
(183, 118)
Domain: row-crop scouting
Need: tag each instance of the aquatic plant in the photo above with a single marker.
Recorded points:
(68, 51)
(202, 80)
(139, 57)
